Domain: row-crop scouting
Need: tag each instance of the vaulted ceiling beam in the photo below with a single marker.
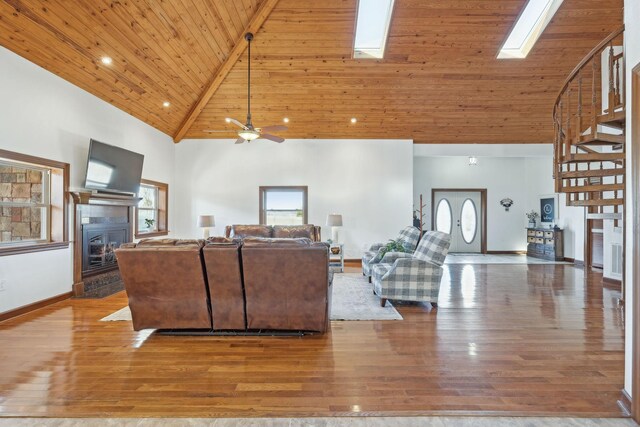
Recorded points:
(254, 25)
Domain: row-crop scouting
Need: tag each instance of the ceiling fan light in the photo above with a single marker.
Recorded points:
(248, 134)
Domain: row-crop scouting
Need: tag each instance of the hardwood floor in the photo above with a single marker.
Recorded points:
(505, 340)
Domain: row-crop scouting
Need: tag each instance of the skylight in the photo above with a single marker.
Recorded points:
(530, 25)
(372, 28)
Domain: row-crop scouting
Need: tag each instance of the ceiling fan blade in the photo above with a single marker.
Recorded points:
(272, 137)
(274, 128)
(235, 122)
(240, 140)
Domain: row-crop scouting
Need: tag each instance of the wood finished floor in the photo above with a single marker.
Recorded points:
(507, 340)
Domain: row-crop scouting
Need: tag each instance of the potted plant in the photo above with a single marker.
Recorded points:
(532, 218)
(392, 246)
(149, 223)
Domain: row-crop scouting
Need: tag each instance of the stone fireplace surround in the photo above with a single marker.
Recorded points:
(101, 221)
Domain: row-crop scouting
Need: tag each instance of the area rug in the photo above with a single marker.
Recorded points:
(352, 299)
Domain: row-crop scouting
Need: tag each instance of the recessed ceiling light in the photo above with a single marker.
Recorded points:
(353, 120)
(166, 104)
(106, 60)
(286, 120)
(228, 120)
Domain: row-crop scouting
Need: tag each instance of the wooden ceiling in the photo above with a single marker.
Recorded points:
(440, 81)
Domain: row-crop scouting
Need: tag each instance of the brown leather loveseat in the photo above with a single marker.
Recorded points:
(246, 286)
(308, 231)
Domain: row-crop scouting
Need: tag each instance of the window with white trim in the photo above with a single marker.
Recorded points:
(151, 212)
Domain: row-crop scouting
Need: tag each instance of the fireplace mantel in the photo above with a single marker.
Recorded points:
(95, 198)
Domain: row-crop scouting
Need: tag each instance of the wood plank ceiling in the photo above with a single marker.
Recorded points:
(440, 81)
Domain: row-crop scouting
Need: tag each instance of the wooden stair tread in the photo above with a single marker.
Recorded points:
(598, 202)
(592, 173)
(592, 188)
(616, 119)
(600, 138)
(593, 157)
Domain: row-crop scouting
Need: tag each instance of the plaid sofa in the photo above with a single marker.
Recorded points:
(413, 277)
(409, 237)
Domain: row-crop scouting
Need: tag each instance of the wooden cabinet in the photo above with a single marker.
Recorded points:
(545, 243)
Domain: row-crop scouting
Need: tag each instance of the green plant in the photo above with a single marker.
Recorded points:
(532, 216)
(392, 246)
(149, 222)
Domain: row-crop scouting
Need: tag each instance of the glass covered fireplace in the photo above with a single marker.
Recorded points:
(99, 243)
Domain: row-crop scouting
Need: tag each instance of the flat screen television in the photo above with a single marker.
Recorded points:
(113, 169)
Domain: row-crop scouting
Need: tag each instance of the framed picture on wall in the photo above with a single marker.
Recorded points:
(548, 208)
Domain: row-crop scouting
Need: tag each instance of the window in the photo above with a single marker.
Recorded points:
(283, 205)
(444, 216)
(33, 205)
(372, 28)
(528, 28)
(469, 221)
(152, 210)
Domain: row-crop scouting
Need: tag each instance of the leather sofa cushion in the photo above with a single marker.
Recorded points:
(224, 273)
(242, 231)
(273, 242)
(293, 231)
(217, 240)
(168, 243)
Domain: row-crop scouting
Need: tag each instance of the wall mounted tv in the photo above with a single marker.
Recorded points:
(113, 169)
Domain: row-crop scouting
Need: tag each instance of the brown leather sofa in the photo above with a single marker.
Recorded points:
(287, 284)
(228, 284)
(308, 231)
(165, 283)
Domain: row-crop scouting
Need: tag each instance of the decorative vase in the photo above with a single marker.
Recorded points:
(532, 224)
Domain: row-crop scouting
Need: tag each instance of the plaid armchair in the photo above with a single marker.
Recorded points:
(409, 237)
(413, 277)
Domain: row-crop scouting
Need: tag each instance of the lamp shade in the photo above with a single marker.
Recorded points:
(334, 220)
(206, 221)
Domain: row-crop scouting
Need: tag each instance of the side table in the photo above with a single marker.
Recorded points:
(336, 255)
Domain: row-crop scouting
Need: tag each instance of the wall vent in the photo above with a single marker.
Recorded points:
(616, 259)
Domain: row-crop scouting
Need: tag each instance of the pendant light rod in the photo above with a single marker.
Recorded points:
(248, 37)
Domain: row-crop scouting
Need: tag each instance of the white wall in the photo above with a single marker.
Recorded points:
(522, 179)
(632, 58)
(45, 116)
(369, 182)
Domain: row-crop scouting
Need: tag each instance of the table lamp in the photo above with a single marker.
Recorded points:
(205, 222)
(334, 221)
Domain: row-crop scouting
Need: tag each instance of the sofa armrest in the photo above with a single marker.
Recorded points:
(398, 269)
(375, 246)
(391, 257)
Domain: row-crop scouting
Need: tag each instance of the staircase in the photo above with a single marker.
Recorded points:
(589, 121)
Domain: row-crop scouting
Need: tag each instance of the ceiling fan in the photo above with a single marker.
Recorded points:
(247, 131)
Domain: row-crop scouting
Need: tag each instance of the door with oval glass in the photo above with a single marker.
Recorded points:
(459, 213)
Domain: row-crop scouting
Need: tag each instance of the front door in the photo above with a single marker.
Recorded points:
(459, 213)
